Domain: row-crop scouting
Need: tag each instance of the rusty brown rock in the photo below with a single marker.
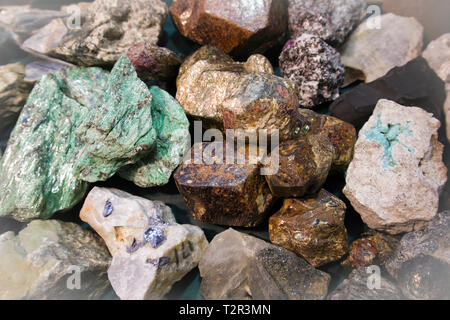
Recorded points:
(341, 134)
(154, 63)
(303, 166)
(239, 27)
(221, 193)
(312, 227)
(231, 95)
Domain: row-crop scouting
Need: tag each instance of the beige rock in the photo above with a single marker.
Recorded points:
(37, 263)
(150, 250)
(397, 173)
(371, 52)
(437, 55)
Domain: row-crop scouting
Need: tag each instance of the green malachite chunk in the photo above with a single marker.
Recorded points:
(82, 125)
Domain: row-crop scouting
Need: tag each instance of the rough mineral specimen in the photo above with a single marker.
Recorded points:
(109, 28)
(355, 287)
(366, 53)
(36, 69)
(397, 149)
(414, 84)
(41, 261)
(342, 136)
(153, 63)
(219, 188)
(315, 67)
(172, 143)
(432, 14)
(14, 92)
(239, 27)
(312, 227)
(303, 166)
(237, 266)
(328, 19)
(437, 55)
(373, 248)
(150, 250)
(223, 93)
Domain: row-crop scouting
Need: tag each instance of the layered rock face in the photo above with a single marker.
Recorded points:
(355, 287)
(421, 263)
(330, 20)
(368, 57)
(150, 250)
(414, 84)
(53, 260)
(437, 55)
(312, 227)
(237, 266)
(222, 185)
(315, 67)
(13, 93)
(396, 149)
(225, 94)
(239, 27)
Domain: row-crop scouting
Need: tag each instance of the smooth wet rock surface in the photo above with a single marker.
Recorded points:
(330, 20)
(236, 266)
(41, 262)
(368, 57)
(396, 149)
(239, 27)
(150, 250)
(315, 67)
(312, 227)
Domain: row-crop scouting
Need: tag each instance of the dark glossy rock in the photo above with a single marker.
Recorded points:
(355, 287)
(237, 266)
(315, 67)
(153, 63)
(239, 27)
(414, 84)
(303, 166)
(221, 193)
(312, 227)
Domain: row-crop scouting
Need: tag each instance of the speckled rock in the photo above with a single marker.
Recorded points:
(109, 28)
(150, 250)
(414, 84)
(43, 260)
(328, 19)
(342, 136)
(373, 248)
(237, 266)
(303, 166)
(14, 92)
(355, 287)
(221, 191)
(368, 57)
(226, 94)
(315, 67)
(437, 55)
(312, 227)
(239, 27)
(397, 149)
(153, 63)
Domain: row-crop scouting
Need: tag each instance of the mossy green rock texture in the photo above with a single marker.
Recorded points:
(82, 125)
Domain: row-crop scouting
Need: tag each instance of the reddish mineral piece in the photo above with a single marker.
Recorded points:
(312, 227)
(303, 166)
(221, 191)
(239, 27)
(154, 63)
(315, 67)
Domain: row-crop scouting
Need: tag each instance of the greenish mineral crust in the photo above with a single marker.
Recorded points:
(387, 136)
(172, 142)
(120, 131)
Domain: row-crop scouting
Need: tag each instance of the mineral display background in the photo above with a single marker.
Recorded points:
(189, 287)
